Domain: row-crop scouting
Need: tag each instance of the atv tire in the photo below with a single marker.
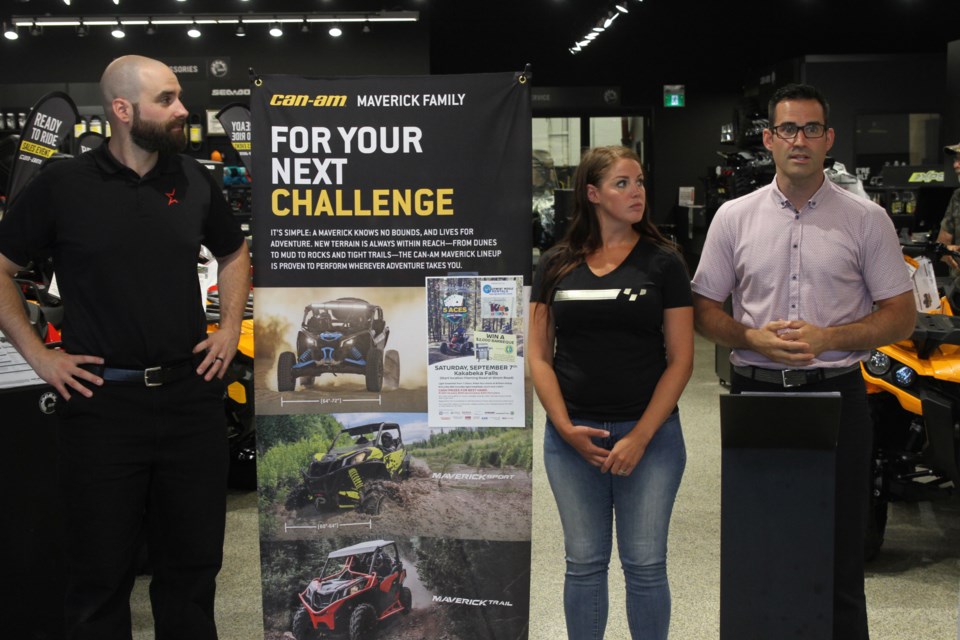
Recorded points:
(374, 370)
(302, 627)
(468, 350)
(876, 528)
(372, 500)
(286, 381)
(298, 498)
(443, 348)
(391, 369)
(301, 349)
(406, 600)
(877, 512)
(363, 622)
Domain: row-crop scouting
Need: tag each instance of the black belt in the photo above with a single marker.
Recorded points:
(150, 377)
(793, 377)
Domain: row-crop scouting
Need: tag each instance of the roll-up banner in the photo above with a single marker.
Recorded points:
(235, 119)
(392, 245)
(49, 122)
(88, 141)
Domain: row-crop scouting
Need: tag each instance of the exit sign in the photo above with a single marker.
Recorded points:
(673, 95)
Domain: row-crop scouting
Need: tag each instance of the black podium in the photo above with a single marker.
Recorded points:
(776, 552)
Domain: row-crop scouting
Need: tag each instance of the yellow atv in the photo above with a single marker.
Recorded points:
(352, 472)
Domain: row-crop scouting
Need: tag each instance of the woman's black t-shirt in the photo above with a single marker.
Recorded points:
(610, 350)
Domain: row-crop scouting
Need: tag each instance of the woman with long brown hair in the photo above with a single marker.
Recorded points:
(611, 350)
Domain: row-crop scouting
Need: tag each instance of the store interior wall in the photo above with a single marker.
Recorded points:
(686, 145)
(876, 84)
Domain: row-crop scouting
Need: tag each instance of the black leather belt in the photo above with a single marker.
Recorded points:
(150, 377)
(793, 377)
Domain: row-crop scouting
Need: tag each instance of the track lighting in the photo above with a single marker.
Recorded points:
(10, 31)
(241, 32)
(117, 31)
(276, 30)
(194, 30)
(614, 11)
(82, 30)
(196, 21)
(36, 30)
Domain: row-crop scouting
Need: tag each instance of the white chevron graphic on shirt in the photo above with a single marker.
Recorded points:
(598, 294)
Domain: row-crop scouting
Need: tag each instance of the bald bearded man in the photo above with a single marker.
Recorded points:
(141, 432)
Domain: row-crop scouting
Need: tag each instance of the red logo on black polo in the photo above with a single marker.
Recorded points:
(172, 200)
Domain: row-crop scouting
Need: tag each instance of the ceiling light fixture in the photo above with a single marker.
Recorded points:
(366, 27)
(340, 19)
(241, 32)
(10, 31)
(82, 30)
(117, 31)
(614, 11)
(36, 30)
(151, 29)
(305, 27)
(194, 30)
(335, 31)
(276, 30)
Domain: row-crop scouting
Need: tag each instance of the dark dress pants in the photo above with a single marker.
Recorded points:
(854, 448)
(134, 457)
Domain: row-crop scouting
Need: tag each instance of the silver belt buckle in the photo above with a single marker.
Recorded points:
(146, 376)
(793, 377)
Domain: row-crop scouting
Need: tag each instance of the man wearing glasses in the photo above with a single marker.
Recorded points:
(817, 280)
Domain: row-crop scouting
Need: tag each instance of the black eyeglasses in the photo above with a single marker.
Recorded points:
(789, 130)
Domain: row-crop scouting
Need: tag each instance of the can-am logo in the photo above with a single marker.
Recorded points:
(219, 68)
(48, 402)
(304, 100)
(230, 92)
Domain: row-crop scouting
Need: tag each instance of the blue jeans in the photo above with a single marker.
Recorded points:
(643, 501)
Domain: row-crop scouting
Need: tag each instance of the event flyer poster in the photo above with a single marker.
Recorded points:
(475, 375)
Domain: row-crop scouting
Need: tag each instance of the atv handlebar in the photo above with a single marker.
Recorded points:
(930, 249)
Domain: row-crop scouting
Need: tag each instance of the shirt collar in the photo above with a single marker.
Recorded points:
(815, 200)
(109, 164)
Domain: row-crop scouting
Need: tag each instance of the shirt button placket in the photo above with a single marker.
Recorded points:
(796, 232)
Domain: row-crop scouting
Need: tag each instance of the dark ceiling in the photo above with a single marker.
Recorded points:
(659, 40)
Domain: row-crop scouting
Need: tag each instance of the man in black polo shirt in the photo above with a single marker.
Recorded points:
(142, 433)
